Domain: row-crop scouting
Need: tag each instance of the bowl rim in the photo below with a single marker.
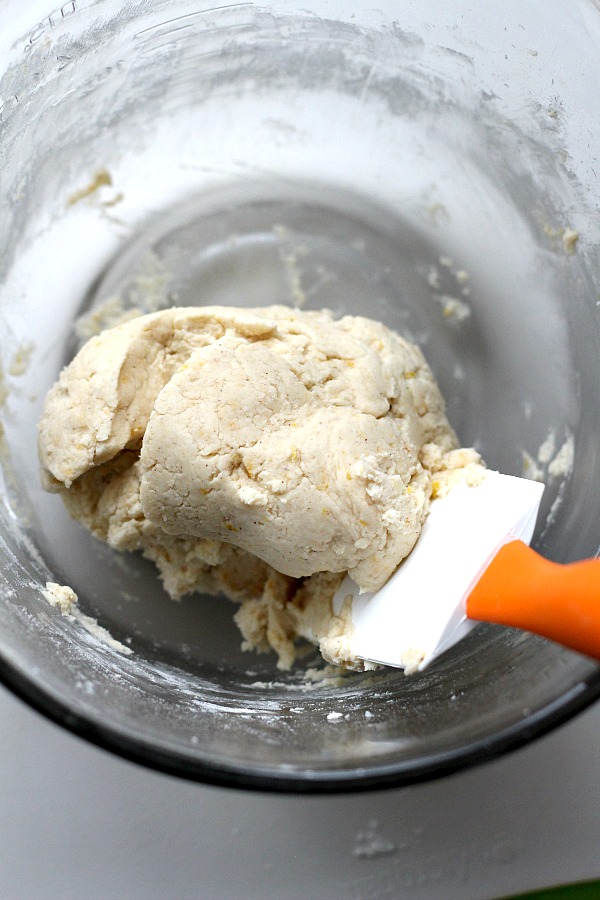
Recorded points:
(390, 775)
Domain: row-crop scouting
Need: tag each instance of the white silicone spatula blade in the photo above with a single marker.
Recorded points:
(420, 611)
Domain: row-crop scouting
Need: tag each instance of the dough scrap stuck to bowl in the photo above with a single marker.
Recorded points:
(262, 453)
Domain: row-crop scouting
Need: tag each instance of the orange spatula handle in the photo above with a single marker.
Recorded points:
(560, 602)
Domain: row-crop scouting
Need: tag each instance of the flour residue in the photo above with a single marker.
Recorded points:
(101, 179)
(108, 314)
(370, 842)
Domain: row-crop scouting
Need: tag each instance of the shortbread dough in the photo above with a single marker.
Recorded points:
(261, 453)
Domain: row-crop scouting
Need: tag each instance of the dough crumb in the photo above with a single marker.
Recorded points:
(550, 463)
(21, 360)
(411, 660)
(60, 596)
(562, 464)
(453, 308)
(569, 239)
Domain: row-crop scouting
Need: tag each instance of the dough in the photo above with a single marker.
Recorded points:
(261, 453)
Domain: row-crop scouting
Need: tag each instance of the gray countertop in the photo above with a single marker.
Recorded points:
(77, 822)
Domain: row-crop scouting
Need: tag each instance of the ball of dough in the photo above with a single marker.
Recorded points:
(294, 436)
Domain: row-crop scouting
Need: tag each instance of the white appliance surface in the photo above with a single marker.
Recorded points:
(78, 823)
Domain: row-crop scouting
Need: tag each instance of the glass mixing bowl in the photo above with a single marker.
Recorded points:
(431, 165)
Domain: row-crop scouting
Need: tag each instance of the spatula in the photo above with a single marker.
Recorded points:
(472, 563)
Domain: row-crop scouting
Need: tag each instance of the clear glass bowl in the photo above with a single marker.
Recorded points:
(424, 164)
